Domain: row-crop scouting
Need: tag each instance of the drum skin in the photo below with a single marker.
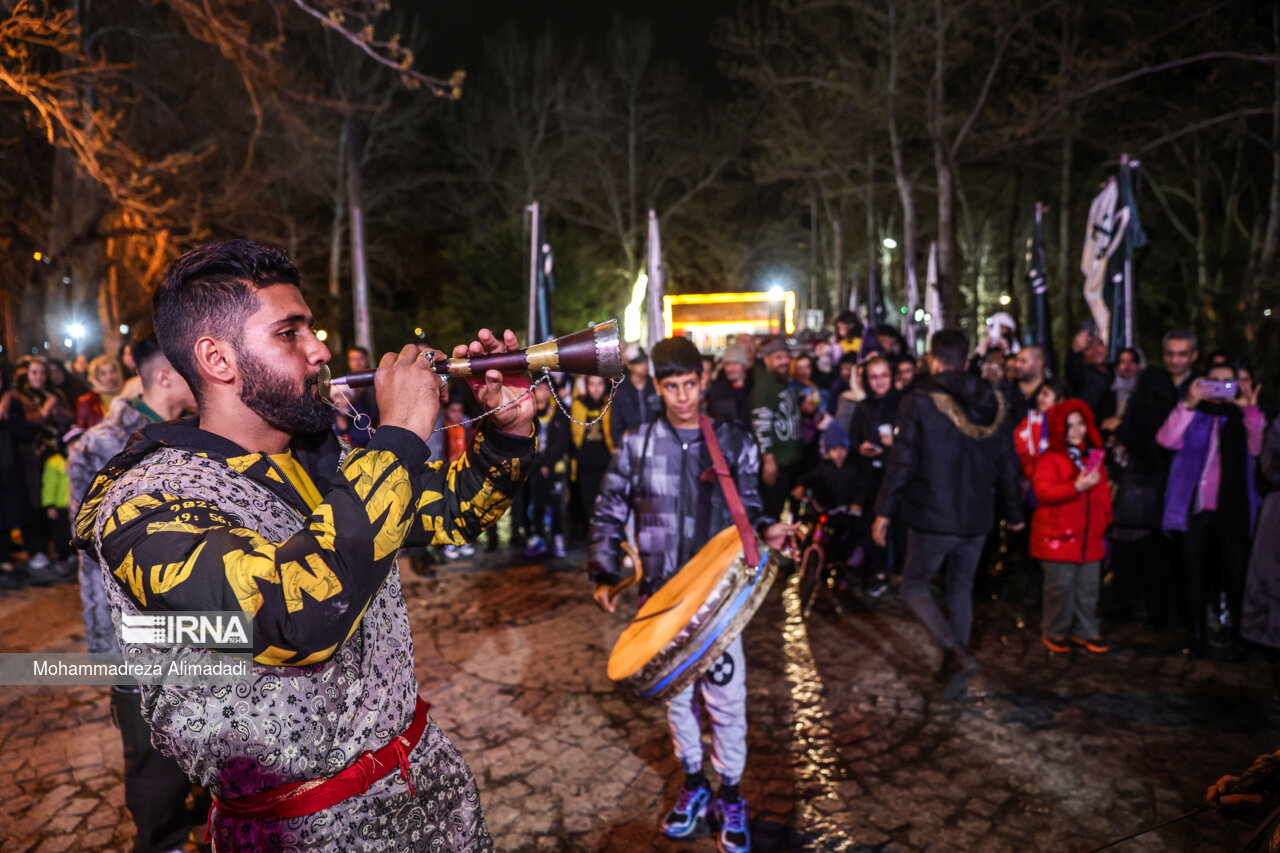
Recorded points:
(691, 621)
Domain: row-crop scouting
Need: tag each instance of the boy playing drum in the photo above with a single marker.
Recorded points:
(661, 471)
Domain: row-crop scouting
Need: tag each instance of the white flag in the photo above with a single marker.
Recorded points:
(657, 284)
(1102, 236)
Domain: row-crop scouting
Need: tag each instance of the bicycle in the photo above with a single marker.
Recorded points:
(818, 530)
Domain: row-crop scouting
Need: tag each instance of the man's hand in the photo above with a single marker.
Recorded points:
(408, 392)
(1021, 525)
(602, 598)
(769, 470)
(1243, 806)
(869, 449)
(494, 388)
(880, 531)
(1110, 424)
(776, 535)
(797, 492)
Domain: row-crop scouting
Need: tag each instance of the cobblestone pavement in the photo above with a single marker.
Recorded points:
(850, 748)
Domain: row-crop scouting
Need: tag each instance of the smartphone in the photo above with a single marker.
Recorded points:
(1220, 389)
(1095, 460)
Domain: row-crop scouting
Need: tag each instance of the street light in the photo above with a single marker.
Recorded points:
(1005, 299)
(889, 243)
(76, 330)
(322, 335)
(124, 328)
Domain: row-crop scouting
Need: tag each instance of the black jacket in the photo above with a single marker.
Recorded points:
(1089, 384)
(1153, 399)
(865, 426)
(726, 403)
(833, 487)
(952, 459)
(631, 407)
(554, 442)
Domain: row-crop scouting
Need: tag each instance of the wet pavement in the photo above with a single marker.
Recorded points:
(850, 748)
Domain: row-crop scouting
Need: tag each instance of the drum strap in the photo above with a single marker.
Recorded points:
(730, 488)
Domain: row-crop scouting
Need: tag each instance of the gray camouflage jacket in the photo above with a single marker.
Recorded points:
(678, 504)
(85, 458)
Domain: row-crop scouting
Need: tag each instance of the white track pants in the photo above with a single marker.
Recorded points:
(723, 688)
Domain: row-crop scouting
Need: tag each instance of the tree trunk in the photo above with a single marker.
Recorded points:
(1012, 255)
(837, 249)
(1207, 307)
(1064, 244)
(1262, 273)
(910, 284)
(906, 196)
(873, 248)
(335, 245)
(359, 266)
(942, 165)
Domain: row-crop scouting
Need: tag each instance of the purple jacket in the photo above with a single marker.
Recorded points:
(1196, 472)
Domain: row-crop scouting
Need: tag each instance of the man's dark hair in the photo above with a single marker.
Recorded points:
(1180, 335)
(675, 357)
(1137, 356)
(950, 347)
(146, 357)
(1058, 386)
(212, 290)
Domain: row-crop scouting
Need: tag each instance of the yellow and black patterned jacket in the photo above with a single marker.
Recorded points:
(179, 545)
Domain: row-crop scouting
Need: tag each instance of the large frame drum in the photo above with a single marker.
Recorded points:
(690, 622)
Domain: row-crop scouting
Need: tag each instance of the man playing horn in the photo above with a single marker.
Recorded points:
(659, 473)
(254, 505)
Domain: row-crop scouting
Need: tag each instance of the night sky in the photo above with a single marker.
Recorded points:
(682, 28)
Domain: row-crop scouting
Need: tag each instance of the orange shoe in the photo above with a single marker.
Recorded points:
(1055, 645)
(1093, 644)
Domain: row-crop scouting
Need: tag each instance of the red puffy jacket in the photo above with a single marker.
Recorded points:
(1068, 526)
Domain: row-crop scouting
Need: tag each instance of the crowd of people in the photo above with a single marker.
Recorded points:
(1150, 476)
(1108, 491)
(44, 407)
(1115, 491)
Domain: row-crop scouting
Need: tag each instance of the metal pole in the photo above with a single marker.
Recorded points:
(359, 266)
(814, 301)
(1129, 339)
(534, 238)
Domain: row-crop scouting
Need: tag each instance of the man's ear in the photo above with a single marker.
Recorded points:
(216, 361)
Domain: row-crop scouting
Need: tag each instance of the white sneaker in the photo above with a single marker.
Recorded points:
(557, 545)
(467, 550)
(451, 552)
(536, 547)
(39, 562)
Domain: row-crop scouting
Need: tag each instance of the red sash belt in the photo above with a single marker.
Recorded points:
(298, 799)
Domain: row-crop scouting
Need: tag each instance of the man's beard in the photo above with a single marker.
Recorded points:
(272, 398)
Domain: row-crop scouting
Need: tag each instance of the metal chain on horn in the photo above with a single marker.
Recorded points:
(367, 424)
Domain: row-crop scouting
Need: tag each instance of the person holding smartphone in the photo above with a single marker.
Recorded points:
(1211, 495)
(1068, 529)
